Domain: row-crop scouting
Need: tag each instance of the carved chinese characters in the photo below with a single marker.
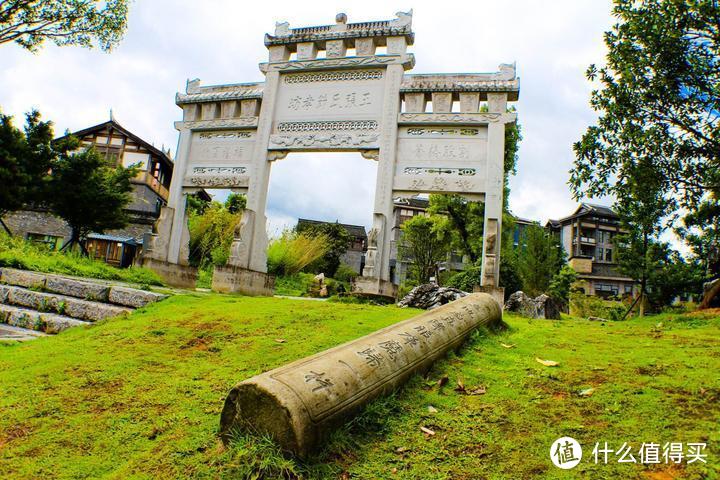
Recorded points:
(298, 404)
(442, 159)
(220, 159)
(331, 95)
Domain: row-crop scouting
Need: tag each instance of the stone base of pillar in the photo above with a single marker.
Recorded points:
(374, 286)
(232, 279)
(180, 276)
(498, 293)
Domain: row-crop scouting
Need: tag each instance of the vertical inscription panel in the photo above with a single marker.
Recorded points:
(442, 159)
(220, 159)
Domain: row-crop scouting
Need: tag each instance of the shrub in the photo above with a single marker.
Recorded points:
(297, 285)
(345, 273)
(465, 280)
(291, 252)
(582, 305)
(211, 234)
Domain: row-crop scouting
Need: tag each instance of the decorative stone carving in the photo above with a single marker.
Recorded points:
(370, 154)
(331, 140)
(157, 245)
(462, 118)
(439, 171)
(407, 61)
(221, 170)
(217, 181)
(239, 122)
(273, 155)
(333, 126)
(240, 247)
(338, 76)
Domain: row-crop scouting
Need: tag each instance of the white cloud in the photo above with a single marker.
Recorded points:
(169, 41)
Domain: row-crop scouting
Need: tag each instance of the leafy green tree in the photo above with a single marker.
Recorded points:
(424, 244)
(561, 284)
(658, 101)
(25, 159)
(701, 230)
(462, 220)
(236, 202)
(86, 23)
(641, 207)
(539, 258)
(196, 205)
(338, 240)
(87, 193)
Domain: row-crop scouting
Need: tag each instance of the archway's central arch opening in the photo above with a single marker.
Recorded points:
(333, 187)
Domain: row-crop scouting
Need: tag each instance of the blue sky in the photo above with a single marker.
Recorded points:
(221, 41)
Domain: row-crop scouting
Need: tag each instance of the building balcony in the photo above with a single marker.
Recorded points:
(146, 179)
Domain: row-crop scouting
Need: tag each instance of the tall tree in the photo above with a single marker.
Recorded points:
(539, 258)
(86, 23)
(424, 244)
(87, 193)
(642, 206)
(659, 100)
(25, 159)
(701, 230)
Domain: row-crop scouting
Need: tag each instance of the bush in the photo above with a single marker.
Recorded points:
(465, 280)
(297, 285)
(211, 234)
(582, 305)
(345, 273)
(16, 252)
(291, 252)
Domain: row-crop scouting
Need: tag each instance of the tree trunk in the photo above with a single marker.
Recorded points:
(713, 292)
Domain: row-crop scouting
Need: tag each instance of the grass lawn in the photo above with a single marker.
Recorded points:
(140, 397)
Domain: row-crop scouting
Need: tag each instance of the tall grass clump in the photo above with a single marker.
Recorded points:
(16, 252)
(211, 235)
(291, 252)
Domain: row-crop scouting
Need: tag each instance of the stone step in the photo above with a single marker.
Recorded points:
(86, 290)
(34, 320)
(61, 304)
(8, 333)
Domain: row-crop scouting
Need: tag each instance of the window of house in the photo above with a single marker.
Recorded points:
(52, 242)
(608, 255)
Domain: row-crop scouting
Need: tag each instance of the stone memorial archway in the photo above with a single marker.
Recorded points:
(231, 134)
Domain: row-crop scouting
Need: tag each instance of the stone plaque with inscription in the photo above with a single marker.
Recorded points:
(442, 159)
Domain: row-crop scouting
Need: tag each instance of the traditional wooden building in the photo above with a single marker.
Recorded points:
(119, 146)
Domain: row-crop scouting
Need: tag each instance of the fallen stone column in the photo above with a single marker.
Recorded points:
(299, 404)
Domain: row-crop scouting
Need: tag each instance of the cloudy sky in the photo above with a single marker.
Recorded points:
(221, 41)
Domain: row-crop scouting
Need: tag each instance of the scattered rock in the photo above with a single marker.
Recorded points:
(429, 296)
(597, 319)
(541, 306)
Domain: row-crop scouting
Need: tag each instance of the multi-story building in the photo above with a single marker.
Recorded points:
(354, 256)
(587, 236)
(150, 192)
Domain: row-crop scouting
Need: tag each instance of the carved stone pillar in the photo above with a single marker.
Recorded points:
(177, 197)
(494, 194)
(386, 170)
(254, 257)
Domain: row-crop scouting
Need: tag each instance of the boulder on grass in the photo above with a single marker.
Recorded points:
(429, 296)
(541, 306)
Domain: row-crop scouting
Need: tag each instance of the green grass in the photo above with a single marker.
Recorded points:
(294, 285)
(16, 252)
(140, 397)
